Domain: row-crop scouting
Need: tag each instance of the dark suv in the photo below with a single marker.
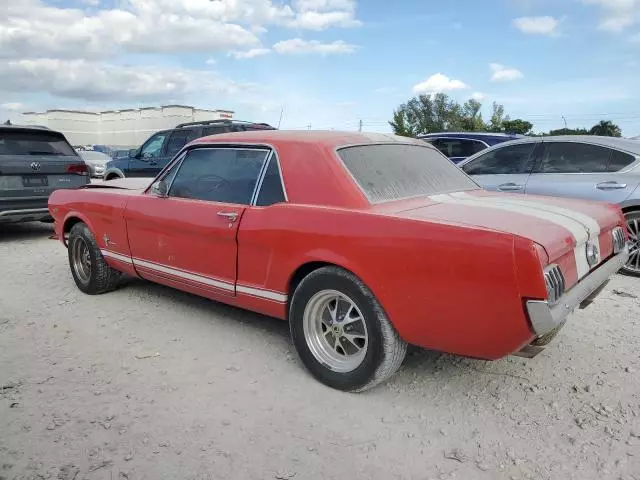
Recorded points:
(459, 145)
(161, 147)
(35, 161)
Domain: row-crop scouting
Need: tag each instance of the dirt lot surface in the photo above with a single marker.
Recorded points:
(150, 383)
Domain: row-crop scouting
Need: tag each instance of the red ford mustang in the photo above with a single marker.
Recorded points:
(365, 243)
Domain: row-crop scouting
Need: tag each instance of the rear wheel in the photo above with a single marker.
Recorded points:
(90, 271)
(632, 266)
(341, 333)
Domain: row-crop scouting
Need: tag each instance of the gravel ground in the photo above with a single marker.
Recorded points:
(151, 383)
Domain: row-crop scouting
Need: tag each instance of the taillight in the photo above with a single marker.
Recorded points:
(78, 169)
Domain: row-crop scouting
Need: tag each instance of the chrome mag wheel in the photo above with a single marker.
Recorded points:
(335, 331)
(81, 259)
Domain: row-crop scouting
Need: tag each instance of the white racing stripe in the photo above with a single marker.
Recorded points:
(256, 292)
(577, 230)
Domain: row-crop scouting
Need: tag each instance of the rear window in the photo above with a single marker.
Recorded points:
(395, 171)
(33, 143)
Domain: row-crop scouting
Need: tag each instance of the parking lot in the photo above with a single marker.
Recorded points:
(151, 383)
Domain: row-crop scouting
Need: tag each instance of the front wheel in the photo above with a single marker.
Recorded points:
(632, 266)
(90, 271)
(341, 332)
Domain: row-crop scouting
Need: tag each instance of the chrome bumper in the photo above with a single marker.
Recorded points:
(546, 320)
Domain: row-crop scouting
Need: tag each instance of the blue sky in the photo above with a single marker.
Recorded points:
(327, 63)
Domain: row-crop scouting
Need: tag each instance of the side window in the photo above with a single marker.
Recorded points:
(224, 175)
(569, 157)
(214, 130)
(153, 147)
(619, 160)
(513, 159)
(271, 190)
(170, 174)
(177, 140)
(453, 147)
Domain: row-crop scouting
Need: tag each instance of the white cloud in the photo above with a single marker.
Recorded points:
(95, 81)
(479, 96)
(211, 61)
(254, 52)
(504, 74)
(298, 46)
(537, 25)
(322, 14)
(31, 28)
(12, 106)
(617, 14)
(438, 83)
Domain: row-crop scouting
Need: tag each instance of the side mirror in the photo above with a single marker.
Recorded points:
(133, 153)
(160, 189)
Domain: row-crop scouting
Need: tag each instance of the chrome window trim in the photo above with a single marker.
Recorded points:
(416, 144)
(222, 147)
(263, 174)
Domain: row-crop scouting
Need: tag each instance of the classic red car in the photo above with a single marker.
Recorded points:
(365, 243)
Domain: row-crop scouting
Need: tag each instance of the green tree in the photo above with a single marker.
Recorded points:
(518, 126)
(497, 118)
(439, 113)
(606, 128)
(568, 131)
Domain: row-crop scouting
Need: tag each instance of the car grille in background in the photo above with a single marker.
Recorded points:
(554, 281)
(619, 240)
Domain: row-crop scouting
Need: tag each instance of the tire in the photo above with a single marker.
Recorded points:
(89, 269)
(632, 268)
(381, 350)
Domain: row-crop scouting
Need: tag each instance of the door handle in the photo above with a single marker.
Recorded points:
(509, 187)
(231, 216)
(611, 186)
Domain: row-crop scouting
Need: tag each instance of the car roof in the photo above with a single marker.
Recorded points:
(326, 138)
(470, 135)
(631, 146)
(25, 127)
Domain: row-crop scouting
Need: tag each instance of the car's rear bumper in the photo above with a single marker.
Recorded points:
(547, 320)
(29, 209)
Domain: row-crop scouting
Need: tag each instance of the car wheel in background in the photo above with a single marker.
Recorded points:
(633, 225)
(90, 271)
(341, 332)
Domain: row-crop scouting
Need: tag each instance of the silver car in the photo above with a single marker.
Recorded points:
(96, 161)
(590, 167)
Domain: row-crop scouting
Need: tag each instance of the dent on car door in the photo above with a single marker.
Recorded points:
(188, 237)
(581, 170)
(504, 169)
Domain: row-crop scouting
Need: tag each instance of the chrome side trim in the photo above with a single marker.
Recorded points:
(545, 317)
(23, 212)
(261, 175)
(204, 280)
(269, 295)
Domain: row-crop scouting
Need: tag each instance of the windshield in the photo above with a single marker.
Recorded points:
(395, 171)
(33, 143)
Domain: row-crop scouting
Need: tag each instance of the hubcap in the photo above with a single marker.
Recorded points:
(335, 331)
(633, 264)
(81, 259)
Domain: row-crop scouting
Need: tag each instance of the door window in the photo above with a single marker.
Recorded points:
(453, 147)
(570, 157)
(223, 175)
(509, 160)
(271, 190)
(214, 130)
(619, 160)
(153, 147)
(177, 140)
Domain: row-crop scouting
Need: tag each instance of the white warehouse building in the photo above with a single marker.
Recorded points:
(119, 128)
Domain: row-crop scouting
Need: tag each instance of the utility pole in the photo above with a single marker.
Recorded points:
(360, 126)
(279, 121)
(565, 121)
(309, 127)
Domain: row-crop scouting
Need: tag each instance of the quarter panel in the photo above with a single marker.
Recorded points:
(443, 286)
